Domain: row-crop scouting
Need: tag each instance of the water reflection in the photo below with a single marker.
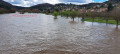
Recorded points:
(73, 22)
(45, 35)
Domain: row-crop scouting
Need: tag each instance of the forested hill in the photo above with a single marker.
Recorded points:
(5, 3)
(114, 0)
(6, 7)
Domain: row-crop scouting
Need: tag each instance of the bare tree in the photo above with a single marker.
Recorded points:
(105, 15)
(93, 15)
(83, 15)
(115, 14)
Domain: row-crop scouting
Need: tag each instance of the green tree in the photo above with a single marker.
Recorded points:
(73, 14)
(55, 14)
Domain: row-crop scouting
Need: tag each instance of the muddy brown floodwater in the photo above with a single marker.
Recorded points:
(42, 34)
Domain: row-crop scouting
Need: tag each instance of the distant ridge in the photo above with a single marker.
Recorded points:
(113, 1)
(5, 3)
(46, 7)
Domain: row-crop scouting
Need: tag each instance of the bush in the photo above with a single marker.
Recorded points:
(55, 13)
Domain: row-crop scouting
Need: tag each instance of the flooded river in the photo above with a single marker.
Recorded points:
(42, 34)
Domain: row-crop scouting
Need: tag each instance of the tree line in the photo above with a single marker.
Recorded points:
(111, 16)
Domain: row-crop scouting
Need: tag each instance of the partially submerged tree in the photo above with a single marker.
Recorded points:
(55, 14)
(93, 15)
(115, 14)
(105, 15)
(79, 15)
(73, 14)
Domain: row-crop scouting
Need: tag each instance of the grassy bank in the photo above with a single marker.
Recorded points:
(100, 20)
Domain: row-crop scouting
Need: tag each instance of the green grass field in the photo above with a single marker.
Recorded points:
(100, 20)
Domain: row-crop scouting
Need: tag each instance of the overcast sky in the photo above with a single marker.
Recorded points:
(27, 3)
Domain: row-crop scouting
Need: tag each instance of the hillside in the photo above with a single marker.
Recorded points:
(114, 0)
(46, 7)
(5, 3)
(6, 7)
